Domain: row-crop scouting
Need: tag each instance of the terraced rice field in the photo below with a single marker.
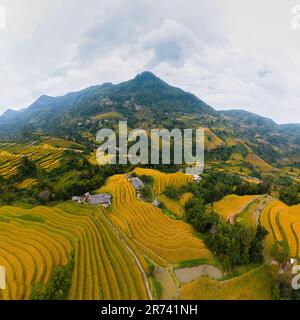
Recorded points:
(250, 216)
(185, 198)
(162, 180)
(157, 236)
(92, 159)
(33, 241)
(211, 141)
(8, 163)
(175, 206)
(253, 285)
(108, 115)
(283, 224)
(259, 163)
(61, 143)
(27, 183)
(46, 156)
(232, 205)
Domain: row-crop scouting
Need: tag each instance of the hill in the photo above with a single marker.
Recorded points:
(36, 241)
(148, 102)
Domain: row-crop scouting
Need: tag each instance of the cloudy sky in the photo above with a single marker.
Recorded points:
(233, 54)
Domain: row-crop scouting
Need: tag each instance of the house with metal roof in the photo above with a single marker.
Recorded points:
(197, 178)
(77, 199)
(137, 183)
(95, 199)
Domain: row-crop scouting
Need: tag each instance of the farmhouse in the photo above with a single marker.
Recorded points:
(292, 261)
(156, 203)
(197, 178)
(77, 199)
(137, 183)
(103, 199)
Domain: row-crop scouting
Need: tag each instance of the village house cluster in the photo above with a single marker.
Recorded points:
(96, 199)
(104, 199)
(138, 185)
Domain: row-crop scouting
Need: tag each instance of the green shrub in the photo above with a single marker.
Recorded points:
(58, 285)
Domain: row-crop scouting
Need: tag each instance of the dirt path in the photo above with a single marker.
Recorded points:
(137, 262)
(189, 274)
(231, 218)
(264, 200)
(165, 278)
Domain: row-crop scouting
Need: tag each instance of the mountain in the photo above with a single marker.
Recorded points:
(145, 89)
(147, 101)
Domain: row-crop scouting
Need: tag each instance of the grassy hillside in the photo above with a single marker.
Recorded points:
(156, 235)
(253, 285)
(33, 242)
(232, 205)
(175, 206)
(283, 224)
(47, 156)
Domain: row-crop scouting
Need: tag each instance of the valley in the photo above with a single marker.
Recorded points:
(230, 235)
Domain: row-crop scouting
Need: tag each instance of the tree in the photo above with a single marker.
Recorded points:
(257, 245)
(280, 251)
(27, 168)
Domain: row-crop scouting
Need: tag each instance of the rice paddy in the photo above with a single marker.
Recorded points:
(175, 206)
(33, 242)
(156, 235)
(253, 285)
(232, 205)
(283, 224)
(163, 180)
(46, 157)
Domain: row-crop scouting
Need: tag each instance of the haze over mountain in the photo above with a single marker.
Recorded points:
(239, 54)
(146, 101)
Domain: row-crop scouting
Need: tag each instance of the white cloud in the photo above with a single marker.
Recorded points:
(238, 54)
(172, 42)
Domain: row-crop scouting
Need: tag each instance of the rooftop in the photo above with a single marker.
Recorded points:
(137, 183)
(99, 198)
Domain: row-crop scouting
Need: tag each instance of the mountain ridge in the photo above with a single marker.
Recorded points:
(148, 101)
(144, 77)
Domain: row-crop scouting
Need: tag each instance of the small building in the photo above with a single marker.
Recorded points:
(292, 261)
(213, 230)
(137, 183)
(197, 178)
(77, 199)
(156, 203)
(95, 199)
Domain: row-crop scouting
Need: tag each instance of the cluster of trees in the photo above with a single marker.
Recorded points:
(172, 193)
(280, 252)
(234, 244)
(290, 194)
(215, 186)
(27, 168)
(282, 288)
(146, 192)
(58, 285)
(84, 177)
(224, 153)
